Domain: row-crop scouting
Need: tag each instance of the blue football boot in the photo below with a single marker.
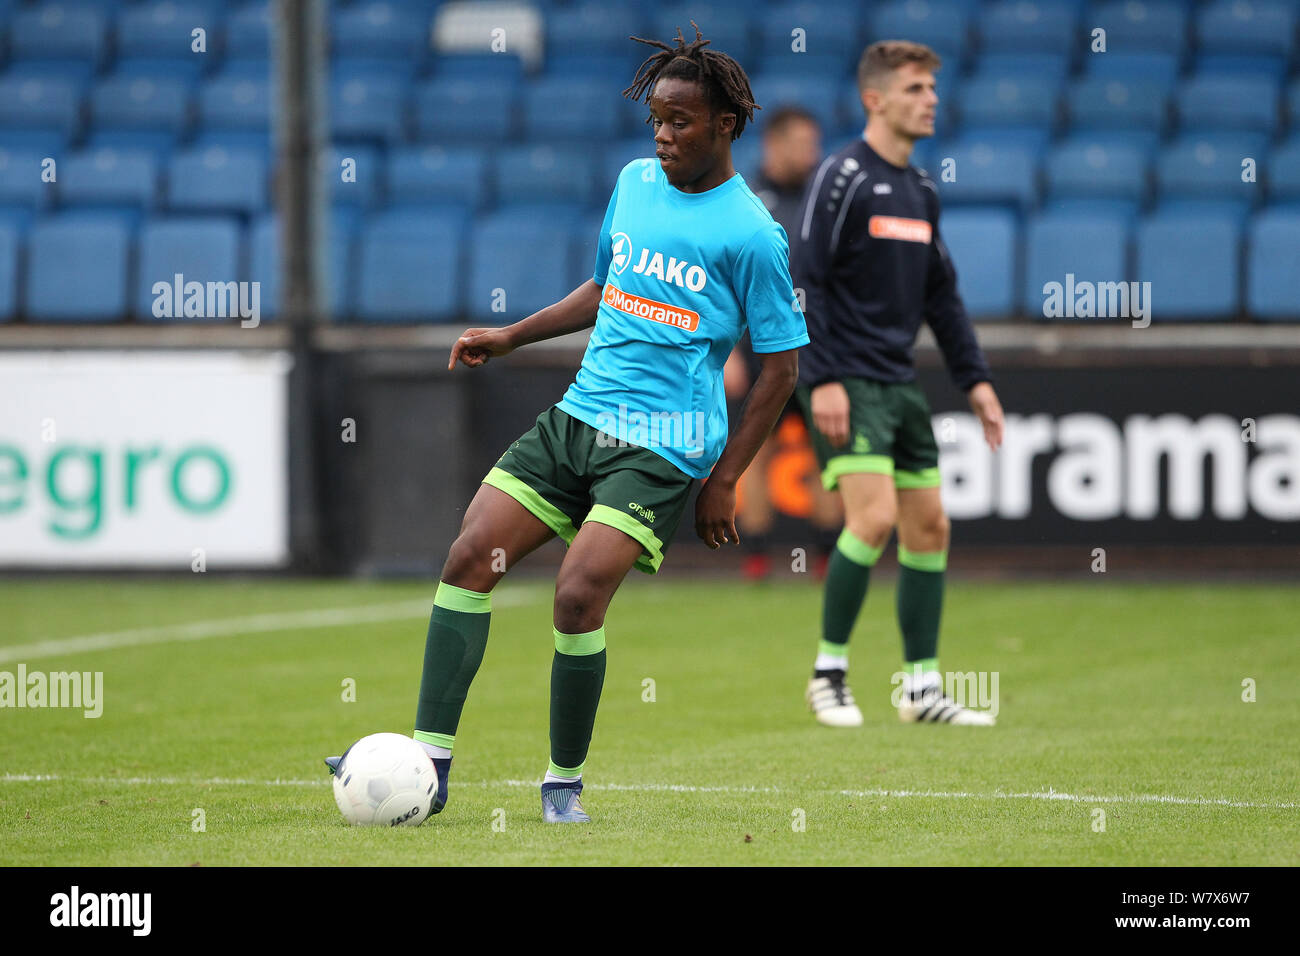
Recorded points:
(560, 803)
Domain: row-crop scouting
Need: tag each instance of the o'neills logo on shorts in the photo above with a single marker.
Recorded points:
(892, 227)
(616, 298)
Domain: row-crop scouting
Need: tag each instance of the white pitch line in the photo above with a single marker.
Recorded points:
(1048, 794)
(240, 626)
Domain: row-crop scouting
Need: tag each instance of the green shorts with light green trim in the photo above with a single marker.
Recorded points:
(566, 473)
(889, 434)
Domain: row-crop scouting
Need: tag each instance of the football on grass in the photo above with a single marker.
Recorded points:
(385, 780)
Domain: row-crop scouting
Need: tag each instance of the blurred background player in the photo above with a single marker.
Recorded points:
(868, 254)
(791, 150)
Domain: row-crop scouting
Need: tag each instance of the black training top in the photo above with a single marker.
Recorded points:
(867, 254)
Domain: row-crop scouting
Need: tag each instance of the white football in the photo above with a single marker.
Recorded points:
(385, 780)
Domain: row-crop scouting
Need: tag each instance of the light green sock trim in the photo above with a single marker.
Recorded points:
(565, 771)
(925, 478)
(855, 465)
(580, 645)
(435, 740)
(634, 529)
(857, 550)
(923, 560)
(546, 512)
(459, 599)
(832, 649)
(917, 668)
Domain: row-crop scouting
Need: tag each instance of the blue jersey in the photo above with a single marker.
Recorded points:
(683, 273)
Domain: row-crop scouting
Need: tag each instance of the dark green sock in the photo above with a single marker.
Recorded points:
(458, 632)
(920, 602)
(847, 575)
(577, 676)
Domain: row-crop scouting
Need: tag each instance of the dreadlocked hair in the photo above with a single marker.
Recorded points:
(726, 87)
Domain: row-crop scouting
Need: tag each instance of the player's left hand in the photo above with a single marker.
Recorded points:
(984, 403)
(715, 514)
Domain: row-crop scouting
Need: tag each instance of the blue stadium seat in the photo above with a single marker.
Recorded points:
(1272, 279)
(366, 108)
(1282, 172)
(432, 174)
(1021, 67)
(532, 174)
(983, 245)
(819, 95)
(1028, 101)
(157, 143)
(215, 179)
(1293, 103)
(987, 171)
(9, 244)
(141, 103)
(613, 71)
(1143, 26)
(399, 70)
(41, 103)
(527, 256)
(1192, 265)
(830, 31)
(1023, 26)
(76, 71)
(93, 248)
(1247, 26)
(570, 108)
(1161, 68)
(109, 177)
(599, 28)
(248, 32)
(20, 179)
(55, 30)
(381, 29)
(264, 264)
(202, 249)
(232, 102)
(1083, 168)
(455, 110)
(365, 165)
(167, 68)
(940, 24)
(489, 69)
(1228, 102)
(585, 236)
(164, 28)
(1095, 102)
(410, 268)
(47, 142)
(1207, 166)
(235, 140)
(1089, 247)
(1271, 68)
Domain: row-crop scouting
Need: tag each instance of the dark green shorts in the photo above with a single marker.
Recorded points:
(889, 434)
(567, 473)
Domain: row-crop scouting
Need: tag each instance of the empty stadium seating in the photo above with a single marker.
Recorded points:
(454, 172)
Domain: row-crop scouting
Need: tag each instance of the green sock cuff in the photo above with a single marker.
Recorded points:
(832, 649)
(435, 740)
(923, 560)
(453, 598)
(857, 550)
(917, 668)
(566, 771)
(580, 645)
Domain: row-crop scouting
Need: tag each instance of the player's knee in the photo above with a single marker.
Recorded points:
(872, 525)
(579, 603)
(469, 564)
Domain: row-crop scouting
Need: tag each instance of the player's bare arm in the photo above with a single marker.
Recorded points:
(715, 509)
(575, 312)
(830, 410)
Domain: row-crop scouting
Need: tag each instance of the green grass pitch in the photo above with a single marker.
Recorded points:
(222, 695)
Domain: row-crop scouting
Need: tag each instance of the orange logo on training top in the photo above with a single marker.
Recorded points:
(892, 227)
(616, 298)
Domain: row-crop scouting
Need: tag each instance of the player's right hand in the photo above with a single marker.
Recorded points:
(830, 410)
(476, 346)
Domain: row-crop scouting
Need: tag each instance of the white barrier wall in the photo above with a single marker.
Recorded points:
(143, 459)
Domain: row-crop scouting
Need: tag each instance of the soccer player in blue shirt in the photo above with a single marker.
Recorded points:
(687, 257)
